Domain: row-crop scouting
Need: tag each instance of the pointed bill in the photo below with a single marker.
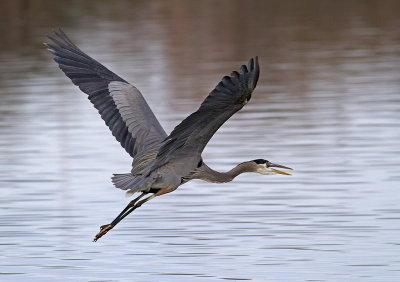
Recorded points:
(280, 166)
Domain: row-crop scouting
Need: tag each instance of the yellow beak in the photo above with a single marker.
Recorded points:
(280, 166)
(280, 172)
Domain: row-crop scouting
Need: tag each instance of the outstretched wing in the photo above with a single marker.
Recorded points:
(120, 104)
(193, 133)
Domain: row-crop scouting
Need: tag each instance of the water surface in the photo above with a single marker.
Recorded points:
(327, 104)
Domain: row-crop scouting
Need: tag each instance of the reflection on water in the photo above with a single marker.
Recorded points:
(327, 104)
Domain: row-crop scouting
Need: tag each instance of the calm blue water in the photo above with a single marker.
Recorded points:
(327, 104)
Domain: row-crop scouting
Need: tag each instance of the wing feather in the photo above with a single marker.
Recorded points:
(193, 133)
(120, 104)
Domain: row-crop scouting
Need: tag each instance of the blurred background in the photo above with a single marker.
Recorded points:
(327, 104)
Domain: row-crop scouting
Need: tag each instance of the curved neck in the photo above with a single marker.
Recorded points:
(211, 175)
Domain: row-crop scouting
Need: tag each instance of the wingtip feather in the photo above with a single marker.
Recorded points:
(255, 70)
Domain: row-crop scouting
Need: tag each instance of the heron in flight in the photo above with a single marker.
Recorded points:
(161, 162)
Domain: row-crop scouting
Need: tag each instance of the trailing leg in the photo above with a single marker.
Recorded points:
(107, 227)
(128, 209)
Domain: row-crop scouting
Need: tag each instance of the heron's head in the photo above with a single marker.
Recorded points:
(268, 168)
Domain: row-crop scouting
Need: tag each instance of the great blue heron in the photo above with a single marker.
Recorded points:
(161, 162)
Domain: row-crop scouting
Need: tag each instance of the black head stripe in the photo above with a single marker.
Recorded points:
(260, 161)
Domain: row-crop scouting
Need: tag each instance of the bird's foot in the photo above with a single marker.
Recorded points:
(103, 231)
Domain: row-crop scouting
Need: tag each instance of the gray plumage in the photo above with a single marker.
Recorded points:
(161, 162)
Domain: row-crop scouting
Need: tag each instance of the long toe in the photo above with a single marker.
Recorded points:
(103, 231)
(104, 226)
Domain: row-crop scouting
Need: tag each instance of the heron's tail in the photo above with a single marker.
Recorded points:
(132, 183)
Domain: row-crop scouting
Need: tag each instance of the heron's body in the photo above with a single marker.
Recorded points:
(161, 162)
